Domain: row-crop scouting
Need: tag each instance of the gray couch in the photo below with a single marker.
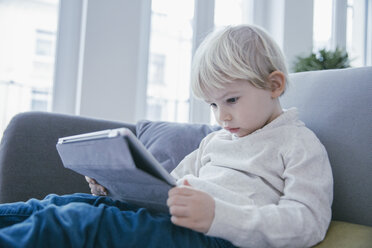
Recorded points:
(335, 104)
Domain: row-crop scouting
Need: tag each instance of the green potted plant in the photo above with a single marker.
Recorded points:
(323, 60)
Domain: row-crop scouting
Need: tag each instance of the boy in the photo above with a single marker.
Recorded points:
(264, 180)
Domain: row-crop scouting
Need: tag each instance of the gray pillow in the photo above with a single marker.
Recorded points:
(170, 142)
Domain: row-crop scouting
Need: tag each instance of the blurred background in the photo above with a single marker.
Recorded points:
(128, 60)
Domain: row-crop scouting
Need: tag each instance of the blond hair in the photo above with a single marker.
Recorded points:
(236, 52)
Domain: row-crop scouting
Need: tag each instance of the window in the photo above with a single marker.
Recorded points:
(170, 60)
(231, 12)
(322, 26)
(349, 23)
(40, 99)
(353, 35)
(45, 43)
(358, 30)
(157, 69)
(27, 47)
(171, 43)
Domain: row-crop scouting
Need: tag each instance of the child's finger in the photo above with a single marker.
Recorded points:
(186, 183)
(177, 200)
(185, 191)
(102, 190)
(181, 221)
(90, 180)
(179, 211)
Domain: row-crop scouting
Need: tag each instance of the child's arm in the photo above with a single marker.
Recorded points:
(188, 206)
(301, 216)
(191, 208)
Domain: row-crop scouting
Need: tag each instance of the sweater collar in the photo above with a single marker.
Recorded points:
(288, 116)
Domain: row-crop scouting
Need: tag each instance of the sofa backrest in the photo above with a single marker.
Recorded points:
(337, 106)
(29, 162)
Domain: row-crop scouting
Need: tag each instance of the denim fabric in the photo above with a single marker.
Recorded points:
(82, 220)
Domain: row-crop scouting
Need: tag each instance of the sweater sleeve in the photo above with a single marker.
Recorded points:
(299, 219)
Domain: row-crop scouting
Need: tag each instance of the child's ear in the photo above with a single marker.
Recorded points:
(277, 82)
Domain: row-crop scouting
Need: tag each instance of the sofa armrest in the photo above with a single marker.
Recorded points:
(30, 166)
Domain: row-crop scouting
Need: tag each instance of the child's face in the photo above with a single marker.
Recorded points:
(241, 108)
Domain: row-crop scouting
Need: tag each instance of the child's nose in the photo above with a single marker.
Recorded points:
(224, 115)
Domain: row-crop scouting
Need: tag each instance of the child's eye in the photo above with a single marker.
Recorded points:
(232, 100)
(213, 105)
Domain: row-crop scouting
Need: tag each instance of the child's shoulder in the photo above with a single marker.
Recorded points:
(298, 138)
(291, 132)
(300, 132)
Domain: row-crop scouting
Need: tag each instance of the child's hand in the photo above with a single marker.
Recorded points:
(95, 188)
(191, 208)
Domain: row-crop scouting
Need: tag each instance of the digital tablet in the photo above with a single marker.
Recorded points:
(117, 160)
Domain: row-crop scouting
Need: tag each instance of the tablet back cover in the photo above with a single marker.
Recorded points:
(109, 161)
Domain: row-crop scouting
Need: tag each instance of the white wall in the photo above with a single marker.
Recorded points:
(110, 78)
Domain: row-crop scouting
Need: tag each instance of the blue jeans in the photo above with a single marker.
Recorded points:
(82, 220)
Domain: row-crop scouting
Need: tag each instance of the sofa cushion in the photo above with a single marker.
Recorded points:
(171, 142)
(344, 235)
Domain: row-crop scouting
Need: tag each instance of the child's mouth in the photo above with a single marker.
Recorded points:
(232, 130)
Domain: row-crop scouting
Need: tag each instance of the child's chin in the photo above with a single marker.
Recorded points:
(243, 133)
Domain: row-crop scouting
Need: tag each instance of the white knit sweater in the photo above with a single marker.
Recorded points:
(272, 188)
